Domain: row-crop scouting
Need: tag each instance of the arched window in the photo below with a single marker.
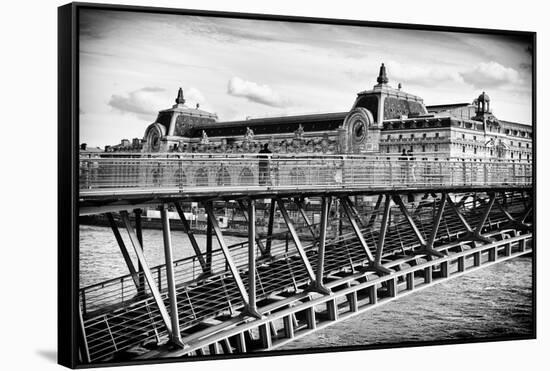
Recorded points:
(246, 177)
(180, 179)
(201, 178)
(222, 177)
(297, 177)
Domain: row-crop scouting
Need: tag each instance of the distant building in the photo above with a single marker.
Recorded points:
(125, 146)
(382, 120)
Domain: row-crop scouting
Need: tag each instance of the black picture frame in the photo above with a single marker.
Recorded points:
(68, 149)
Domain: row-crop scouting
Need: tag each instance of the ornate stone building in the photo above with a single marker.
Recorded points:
(382, 121)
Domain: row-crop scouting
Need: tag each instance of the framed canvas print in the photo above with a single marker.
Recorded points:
(236, 185)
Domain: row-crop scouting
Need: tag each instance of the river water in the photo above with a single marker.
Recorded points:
(488, 303)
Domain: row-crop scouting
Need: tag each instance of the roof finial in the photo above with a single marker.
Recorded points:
(382, 77)
(180, 99)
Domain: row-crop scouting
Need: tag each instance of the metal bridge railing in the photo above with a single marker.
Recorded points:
(184, 172)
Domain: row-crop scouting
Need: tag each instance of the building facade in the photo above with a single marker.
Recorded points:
(382, 121)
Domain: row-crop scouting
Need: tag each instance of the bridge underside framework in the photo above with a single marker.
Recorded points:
(269, 290)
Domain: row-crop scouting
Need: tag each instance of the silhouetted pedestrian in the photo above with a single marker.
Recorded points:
(263, 165)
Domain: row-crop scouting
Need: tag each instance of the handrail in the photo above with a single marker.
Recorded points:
(183, 172)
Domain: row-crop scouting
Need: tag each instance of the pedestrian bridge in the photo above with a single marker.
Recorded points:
(117, 179)
(429, 221)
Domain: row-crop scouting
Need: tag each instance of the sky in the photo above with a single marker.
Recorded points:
(132, 64)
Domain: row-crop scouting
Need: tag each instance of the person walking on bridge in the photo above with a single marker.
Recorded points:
(263, 165)
(411, 166)
(403, 166)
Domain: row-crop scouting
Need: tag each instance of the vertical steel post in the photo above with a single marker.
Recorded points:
(147, 272)
(265, 336)
(288, 326)
(192, 238)
(251, 255)
(208, 241)
(169, 260)
(272, 206)
(139, 233)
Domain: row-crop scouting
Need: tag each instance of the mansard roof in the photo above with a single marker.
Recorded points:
(272, 125)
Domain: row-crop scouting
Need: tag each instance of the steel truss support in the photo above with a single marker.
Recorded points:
(374, 214)
(325, 207)
(399, 202)
(503, 209)
(492, 197)
(426, 246)
(527, 213)
(355, 212)
(383, 229)
(175, 336)
(373, 265)
(513, 221)
(244, 209)
(314, 286)
(124, 251)
(300, 205)
(192, 238)
(146, 271)
(459, 214)
(229, 259)
(471, 234)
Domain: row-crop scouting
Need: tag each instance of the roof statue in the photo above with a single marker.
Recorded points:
(249, 135)
(299, 132)
(382, 76)
(204, 138)
(180, 99)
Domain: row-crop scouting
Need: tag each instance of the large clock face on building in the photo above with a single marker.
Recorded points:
(154, 139)
(155, 142)
(359, 130)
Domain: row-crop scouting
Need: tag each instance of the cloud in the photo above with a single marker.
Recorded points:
(491, 75)
(193, 96)
(421, 75)
(255, 92)
(146, 102)
(409, 74)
